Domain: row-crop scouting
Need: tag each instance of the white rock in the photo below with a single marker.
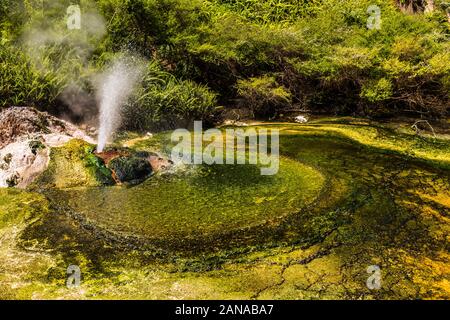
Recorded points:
(23, 163)
(18, 128)
(27, 166)
(301, 119)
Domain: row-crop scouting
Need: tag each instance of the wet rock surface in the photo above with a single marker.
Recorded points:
(132, 169)
(130, 166)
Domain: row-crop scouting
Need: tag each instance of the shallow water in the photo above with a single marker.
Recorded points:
(323, 183)
(203, 201)
(226, 232)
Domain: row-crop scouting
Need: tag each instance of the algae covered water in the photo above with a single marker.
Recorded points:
(204, 201)
(337, 206)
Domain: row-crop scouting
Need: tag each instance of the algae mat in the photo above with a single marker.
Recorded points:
(339, 205)
(201, 203)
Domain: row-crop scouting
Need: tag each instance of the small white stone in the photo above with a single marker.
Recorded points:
(301, 119)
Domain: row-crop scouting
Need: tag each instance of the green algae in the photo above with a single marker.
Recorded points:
(374, 203)
(375, 137)
(205, 201)
(19, 268)
(73, 165)
(17, 207)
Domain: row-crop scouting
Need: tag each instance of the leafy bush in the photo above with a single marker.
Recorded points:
(263, 95)
(377, 91)
(272, 10)
(322, 53)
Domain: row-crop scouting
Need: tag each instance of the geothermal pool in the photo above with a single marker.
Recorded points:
(206, 201)
(336, 207)
(321, 183)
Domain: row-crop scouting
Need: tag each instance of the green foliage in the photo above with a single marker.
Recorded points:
(165, 102)
(39, 57)
(380, 90)
(272, 10)
(322, 53)
(262, 94)
(22, 84)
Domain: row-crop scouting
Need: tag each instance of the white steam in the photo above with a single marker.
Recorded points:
(116, 86)
(55, 49)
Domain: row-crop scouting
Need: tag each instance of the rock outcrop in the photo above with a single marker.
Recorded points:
(19, 122)
(39, 150)
(129, 166)
(130, 169)
(26, 136)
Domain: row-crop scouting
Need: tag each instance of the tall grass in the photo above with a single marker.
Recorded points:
(22, 84)
(164, 102)
(272, 11)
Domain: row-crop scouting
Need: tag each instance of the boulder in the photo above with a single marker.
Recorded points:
(132, 169)
(19, 122)
(26, 139)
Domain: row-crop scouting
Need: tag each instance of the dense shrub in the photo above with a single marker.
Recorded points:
(269, 55)
(263, 95)
(270, 11)
(328, 60)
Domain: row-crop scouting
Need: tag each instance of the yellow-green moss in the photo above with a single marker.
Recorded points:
(377, 207)
(74, 165)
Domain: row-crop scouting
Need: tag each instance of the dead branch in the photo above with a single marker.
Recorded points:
(416, 128)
